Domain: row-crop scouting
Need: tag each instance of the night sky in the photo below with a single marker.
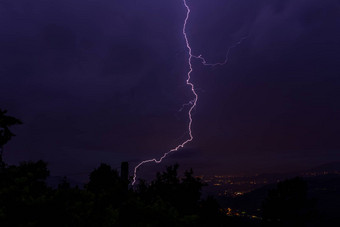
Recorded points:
(103, 81)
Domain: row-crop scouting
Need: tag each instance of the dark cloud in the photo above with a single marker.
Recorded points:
(104, 80)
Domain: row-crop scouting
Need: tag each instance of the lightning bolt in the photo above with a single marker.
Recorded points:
(192, 103)
(204, 62)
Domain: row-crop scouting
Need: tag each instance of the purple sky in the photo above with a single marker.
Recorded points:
(102, 81)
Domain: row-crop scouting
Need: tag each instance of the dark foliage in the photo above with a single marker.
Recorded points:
(5, 134)
(289, 205)
(26, 200)
(23, 193)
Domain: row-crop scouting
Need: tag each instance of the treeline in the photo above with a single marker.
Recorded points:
(26, 200)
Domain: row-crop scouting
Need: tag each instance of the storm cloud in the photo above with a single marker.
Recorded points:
(104, 80)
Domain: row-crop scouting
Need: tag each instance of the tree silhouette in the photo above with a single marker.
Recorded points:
(105, 180)
(5, 134)
(109, 194)
(288, 204)
(171, 200)
(22, 193)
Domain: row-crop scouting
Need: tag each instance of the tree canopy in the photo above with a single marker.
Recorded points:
(6, 121)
